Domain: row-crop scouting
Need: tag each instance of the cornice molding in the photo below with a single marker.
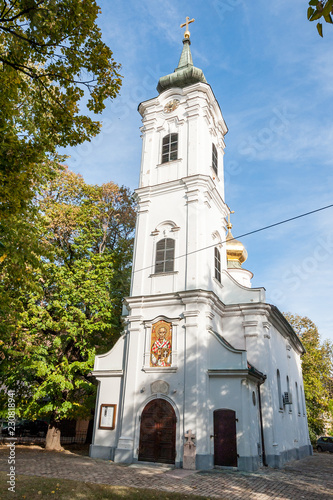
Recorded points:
(107, 373)
(187, 97)
(200, 184)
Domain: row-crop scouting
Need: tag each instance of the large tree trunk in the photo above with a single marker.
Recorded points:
(52, 440)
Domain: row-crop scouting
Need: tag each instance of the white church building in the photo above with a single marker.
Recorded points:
(201, 352)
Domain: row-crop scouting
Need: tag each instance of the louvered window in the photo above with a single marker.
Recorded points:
(170, 148)
(165, 256)
(217, 264)
(214, 158)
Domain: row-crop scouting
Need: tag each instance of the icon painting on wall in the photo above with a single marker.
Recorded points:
(161, 341)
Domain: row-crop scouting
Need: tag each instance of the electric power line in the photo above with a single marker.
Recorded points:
(247, 234)
(283, 221)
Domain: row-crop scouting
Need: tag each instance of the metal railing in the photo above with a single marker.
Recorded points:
(79, 438)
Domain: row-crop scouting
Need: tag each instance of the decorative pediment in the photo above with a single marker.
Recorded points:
(165, 227)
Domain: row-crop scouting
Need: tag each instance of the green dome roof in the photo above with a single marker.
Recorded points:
(185, 74)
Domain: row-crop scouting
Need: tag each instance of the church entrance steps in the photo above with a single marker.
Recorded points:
(151, 468)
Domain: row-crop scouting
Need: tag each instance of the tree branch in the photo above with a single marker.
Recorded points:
(20, 14)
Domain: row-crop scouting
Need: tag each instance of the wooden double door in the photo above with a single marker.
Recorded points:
(225, 444)
(158, 433)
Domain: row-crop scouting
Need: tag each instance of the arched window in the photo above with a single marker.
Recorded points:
(165, 256)
(279, 389)
(214, 159)
(170, 148)
(217, 264)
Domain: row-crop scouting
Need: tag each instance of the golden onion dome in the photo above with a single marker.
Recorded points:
(236, 252)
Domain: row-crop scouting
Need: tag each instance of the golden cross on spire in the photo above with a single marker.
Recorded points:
(229, 226)
(187, 33)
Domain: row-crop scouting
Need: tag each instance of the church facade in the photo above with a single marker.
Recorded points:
(202, 353)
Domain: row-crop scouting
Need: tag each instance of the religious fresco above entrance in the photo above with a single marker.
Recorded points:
(160, 345)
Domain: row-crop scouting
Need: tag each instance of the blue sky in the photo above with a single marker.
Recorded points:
(273, 77)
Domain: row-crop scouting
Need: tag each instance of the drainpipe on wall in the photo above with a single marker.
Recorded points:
(262, 429)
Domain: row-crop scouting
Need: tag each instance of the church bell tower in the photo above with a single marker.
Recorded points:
(182, 211)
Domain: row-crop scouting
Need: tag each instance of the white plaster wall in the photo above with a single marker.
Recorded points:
(139, 376)
(199, 123)
(109, 393)
(190, 212)
(287, 427)
(185, 212)
(223, 358)
(242, 276)
(196, 350)
(269, 349)
(236, 394)
(113, 359)
(187, 379)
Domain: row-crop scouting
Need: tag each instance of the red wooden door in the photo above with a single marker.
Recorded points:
(225, 446)
(158, 433)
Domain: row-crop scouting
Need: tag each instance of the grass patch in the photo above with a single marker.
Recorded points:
(33, 487)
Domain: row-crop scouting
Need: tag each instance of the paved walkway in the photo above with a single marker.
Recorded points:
(310, 478)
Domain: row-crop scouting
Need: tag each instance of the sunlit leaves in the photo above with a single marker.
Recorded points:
(74, 309)
(317, 366)
(320, 29)
(320, 9)
(52, 51)
(55, 71)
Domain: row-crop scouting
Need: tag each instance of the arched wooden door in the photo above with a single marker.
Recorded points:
(225, 445)
(158, 433)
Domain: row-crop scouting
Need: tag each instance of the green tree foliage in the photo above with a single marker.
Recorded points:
(317, 366)
(55, 72)
(322, 9)
(75, 308)
(51, 50)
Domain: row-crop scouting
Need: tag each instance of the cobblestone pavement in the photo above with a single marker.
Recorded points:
(310, 478)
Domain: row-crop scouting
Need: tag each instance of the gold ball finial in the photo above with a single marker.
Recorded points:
(188, 21)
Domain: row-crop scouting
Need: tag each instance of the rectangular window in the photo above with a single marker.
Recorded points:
(165, 256)
(214, 159)
(217, 258)
(170, 148)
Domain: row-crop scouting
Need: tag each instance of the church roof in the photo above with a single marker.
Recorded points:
(256, 372)
(292, 334)
(185, 74)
